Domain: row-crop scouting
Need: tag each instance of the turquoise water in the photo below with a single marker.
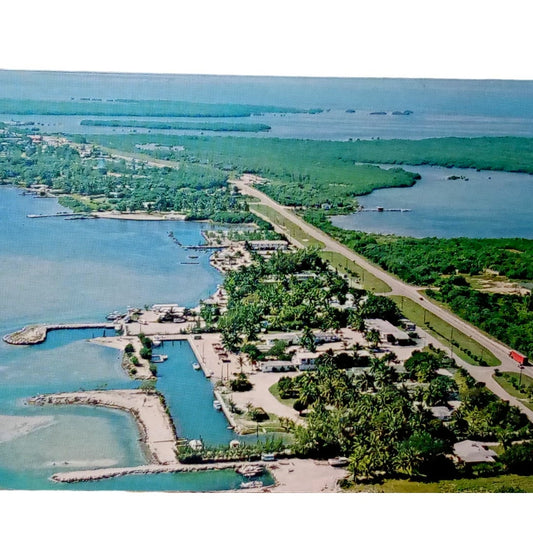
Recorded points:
(489, 204)
(54, 270)
(179, 382)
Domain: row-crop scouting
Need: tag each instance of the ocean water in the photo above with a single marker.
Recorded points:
(486, 204)
(440, 107)
(54, 270)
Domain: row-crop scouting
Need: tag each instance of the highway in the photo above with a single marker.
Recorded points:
(483, 374)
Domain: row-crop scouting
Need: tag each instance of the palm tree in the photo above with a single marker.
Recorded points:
(365, 382)
(373, 338)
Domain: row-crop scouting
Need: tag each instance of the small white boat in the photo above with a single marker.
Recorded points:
(196, 444)
(268, 457)
(251, 484)
(196, 366)
(217, 405)
(156, 343)
(159, 358)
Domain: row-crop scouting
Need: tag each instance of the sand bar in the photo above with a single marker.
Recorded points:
(157, 431)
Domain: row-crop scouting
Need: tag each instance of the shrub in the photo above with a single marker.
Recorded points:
(153, 369)
(129, 348)
(146, 353)
(240, 384)
(134, 360)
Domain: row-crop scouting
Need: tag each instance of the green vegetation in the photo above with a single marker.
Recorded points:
(138, 108)
(492, 484)
(518, 385)
(507, 317)
(243, 452)
(203, 126)
(385, 428)
(97, 182)
(299, 172)
(425, 261)
(367, 280)
(294, 231)
(464, 346)
(513, 154)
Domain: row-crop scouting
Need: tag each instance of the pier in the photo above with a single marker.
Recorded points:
(383, 209)
(50, 215)
(37, 334)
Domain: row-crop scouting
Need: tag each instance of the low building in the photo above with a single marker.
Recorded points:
(441, 412)
(471, 451)
(322, 337)
(388, 332)
(276, 366)
(268, 245)
(305, 360)
(168, 308)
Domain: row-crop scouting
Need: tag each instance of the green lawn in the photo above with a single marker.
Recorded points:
(368, 280)
(292, 229)
(504, 380)
(444, 332)
(275, 392)
(503, 483)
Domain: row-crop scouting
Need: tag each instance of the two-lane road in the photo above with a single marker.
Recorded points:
(401, 288)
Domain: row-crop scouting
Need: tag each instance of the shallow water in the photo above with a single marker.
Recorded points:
(488, 204)
(53, 271)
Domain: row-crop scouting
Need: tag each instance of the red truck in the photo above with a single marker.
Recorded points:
(518, 357)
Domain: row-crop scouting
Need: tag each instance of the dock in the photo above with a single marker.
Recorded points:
(50, 215)
(383, 209)
(37, 334)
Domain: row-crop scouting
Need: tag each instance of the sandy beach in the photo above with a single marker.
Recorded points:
(156, 429)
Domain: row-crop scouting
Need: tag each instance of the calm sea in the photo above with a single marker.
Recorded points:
(440, 107)
(483, 204)
(54, 270)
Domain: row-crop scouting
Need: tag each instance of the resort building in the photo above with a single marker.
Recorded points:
(268, 245)
(471, 451)
(388, 332)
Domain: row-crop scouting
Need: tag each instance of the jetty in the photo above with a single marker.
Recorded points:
(105, 473)
(383, 209)
(37, 334)
(62, 214)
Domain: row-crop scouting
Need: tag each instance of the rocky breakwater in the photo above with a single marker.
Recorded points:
(27, 335)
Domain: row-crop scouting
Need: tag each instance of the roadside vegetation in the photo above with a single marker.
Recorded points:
(298, 172)
(443, 264)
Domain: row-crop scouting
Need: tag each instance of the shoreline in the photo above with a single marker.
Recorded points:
(156, 429)
(36, 334)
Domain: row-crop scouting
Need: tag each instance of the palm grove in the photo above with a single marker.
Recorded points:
(366, 408)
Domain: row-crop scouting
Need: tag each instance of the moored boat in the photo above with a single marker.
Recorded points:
(196, 366)
(251, 484)
(159, 358)
(217, 405)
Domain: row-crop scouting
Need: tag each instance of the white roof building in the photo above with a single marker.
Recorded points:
(471, 451)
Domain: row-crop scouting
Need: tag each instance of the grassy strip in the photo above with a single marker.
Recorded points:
(503, 483)
(201, 126)
(293, 230)
(273, 389)
(504, 380)
(368, 280)
(445, 332)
